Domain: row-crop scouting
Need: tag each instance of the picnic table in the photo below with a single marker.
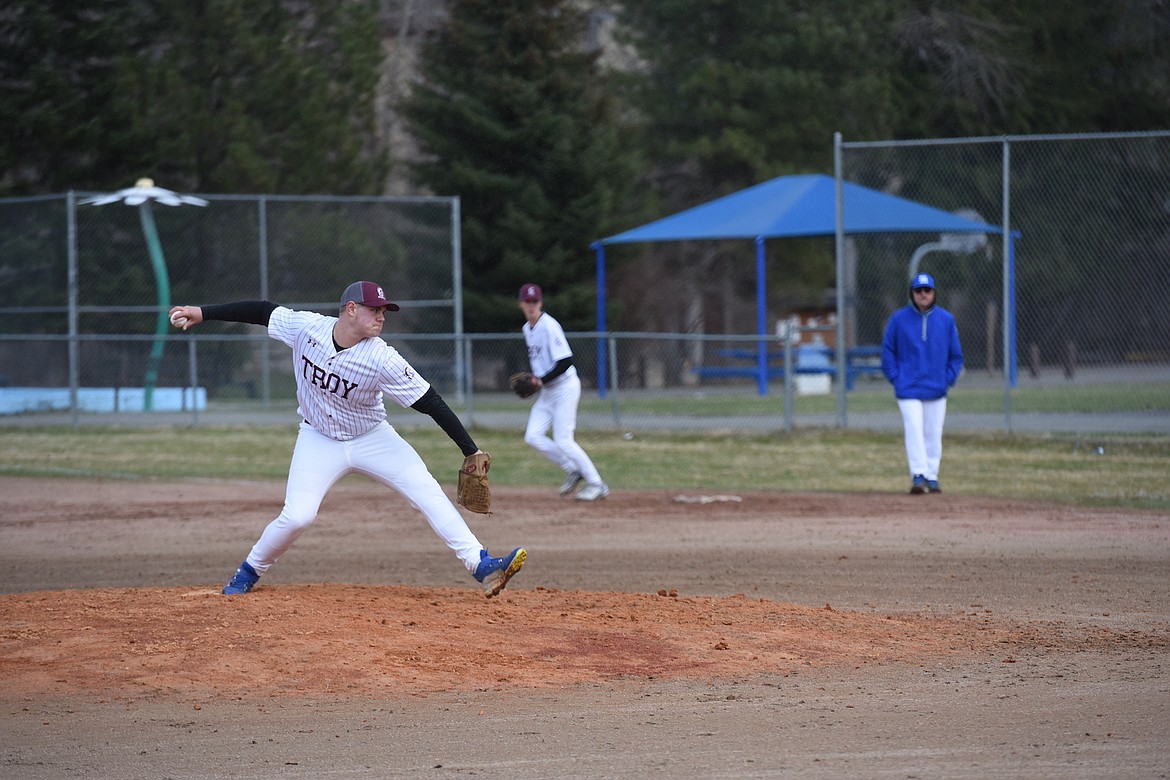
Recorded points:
(862, 360)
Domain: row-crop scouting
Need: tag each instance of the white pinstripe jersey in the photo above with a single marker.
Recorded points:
(340, 393)
(546, 345)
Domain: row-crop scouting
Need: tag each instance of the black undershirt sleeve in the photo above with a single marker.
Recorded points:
(433, 404)
(561, 367)
(252, 312)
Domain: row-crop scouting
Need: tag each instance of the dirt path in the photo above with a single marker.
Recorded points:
(721, 636)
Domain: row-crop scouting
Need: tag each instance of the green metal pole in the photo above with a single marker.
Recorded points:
(164, 303)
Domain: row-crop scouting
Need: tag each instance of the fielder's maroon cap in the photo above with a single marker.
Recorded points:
(367, 294)
(530, 292)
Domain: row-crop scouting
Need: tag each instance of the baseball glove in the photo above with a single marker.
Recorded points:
(474, 491)
(522, 384)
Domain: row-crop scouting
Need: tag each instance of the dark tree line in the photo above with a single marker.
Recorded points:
(549, 138)
(732, 93)
(204, 96)
(515, 116)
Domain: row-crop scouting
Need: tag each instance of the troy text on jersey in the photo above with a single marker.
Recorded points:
(325, 380)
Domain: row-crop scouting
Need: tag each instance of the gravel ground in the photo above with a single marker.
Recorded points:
(754, 635)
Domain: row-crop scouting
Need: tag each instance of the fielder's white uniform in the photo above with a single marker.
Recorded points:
(340, 397)
(556, 404)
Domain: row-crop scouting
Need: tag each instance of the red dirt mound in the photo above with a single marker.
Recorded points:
(325, 639)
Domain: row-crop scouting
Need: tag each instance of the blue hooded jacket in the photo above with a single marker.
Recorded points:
(921, 355)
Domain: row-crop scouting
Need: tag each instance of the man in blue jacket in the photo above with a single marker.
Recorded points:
(922, 358)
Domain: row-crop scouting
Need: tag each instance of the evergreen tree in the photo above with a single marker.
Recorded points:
(513, 116)
(210, 96)
(959, 72)
(991, 67)
(1093, 67)
(734, 93)
(56, 87)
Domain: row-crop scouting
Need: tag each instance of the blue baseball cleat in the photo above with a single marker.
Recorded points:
(242, 581)
(494, 573)
(918, 485)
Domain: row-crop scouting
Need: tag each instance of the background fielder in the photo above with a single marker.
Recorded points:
(921, 357)
(342, 368)
(551, 360)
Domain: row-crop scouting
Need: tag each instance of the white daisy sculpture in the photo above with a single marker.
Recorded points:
(142, 194)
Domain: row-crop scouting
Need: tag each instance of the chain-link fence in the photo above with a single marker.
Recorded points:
(1078, 300)
(83, 290)
(1081, 306)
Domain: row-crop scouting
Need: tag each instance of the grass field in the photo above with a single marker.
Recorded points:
(1079, 399)
(741, 399)
(1130, 471)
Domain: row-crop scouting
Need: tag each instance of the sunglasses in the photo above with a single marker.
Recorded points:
(923, 289)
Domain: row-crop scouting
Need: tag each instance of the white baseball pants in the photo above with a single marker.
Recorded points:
(556, 408)
(318, 462)
(922, 424)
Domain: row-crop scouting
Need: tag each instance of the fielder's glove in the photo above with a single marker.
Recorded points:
(474, 491)
(523, 384)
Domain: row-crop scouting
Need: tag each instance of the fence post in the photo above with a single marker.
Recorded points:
(463, 350)
(71, 284)
(992, 317)
(265, 357)
(611, 343)
(788, 360)
(193, 370)
(1009, 314)
(462, 383)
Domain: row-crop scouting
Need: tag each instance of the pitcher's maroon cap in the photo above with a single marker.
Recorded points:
(367, 294)
(530, 292)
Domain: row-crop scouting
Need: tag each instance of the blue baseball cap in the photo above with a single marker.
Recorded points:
(922, 280)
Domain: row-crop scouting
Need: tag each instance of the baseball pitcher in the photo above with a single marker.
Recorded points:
(343, 370)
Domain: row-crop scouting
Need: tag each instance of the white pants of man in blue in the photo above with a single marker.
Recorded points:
(922, 423)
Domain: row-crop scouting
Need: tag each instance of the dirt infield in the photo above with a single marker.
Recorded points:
(761, 635)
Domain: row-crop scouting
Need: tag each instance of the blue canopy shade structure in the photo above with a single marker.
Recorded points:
(784, 207)
(799, 206)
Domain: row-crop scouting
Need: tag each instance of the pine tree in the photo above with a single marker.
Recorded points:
(734, 93)
(513, 116)
(209, 96)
